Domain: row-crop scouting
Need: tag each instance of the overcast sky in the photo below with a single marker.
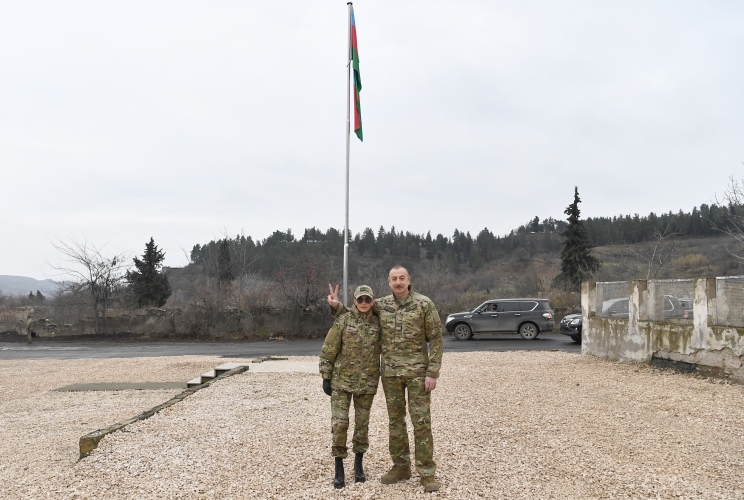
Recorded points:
(183, 119)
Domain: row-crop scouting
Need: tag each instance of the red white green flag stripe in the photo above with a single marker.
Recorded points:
(354, 57)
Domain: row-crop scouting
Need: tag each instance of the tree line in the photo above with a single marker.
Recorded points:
(462, 248)
(704, 222)
(256, 278)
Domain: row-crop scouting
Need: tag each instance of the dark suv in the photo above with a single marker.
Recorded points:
(674, 308)
(528, 317)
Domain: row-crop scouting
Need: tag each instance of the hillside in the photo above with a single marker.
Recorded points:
(22, 285)
(525, 267)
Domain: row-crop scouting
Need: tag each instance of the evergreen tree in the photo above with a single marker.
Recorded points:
(535, 225)
(149, 285)
(577, 263)
(368, 241)
(196, 254)
(224, 264)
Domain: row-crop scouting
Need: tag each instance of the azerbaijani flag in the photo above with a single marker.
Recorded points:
(354, 57)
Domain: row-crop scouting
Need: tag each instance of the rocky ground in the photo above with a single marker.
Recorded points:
(506, 425)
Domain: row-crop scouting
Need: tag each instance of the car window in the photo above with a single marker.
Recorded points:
(528, 305)
(509, 306)
(543, 305)
(621, 307)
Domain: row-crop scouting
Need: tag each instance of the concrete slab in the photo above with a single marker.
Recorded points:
(194, 382)
(224, 367)
(90, 441)
(122, 386)
(286, 367)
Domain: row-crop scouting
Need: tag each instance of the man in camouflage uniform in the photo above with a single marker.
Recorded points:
(409, 321)
(350, 366)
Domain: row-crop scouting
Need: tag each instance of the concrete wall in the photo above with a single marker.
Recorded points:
(705, 340)
(154, 323)
(13, 319)
(145, 321)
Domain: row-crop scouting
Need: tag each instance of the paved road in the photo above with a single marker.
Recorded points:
(50, 349)
(505, 342)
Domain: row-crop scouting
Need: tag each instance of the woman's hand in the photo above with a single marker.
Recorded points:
(333, 296)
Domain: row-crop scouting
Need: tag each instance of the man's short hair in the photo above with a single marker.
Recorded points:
(398, 266)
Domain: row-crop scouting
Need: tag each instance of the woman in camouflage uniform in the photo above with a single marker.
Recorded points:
(350, 366)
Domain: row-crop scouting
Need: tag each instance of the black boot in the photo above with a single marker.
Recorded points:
(339, 481)
(359, 476)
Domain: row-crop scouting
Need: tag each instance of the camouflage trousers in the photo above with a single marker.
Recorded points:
(419, 407)
(340, 402)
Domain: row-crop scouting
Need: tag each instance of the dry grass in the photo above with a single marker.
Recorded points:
(506, 425)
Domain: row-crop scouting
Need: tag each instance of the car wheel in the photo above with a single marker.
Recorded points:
(528, 331)
(576, 338)
(462, 332)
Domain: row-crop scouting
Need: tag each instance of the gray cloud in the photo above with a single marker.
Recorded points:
(180, 119)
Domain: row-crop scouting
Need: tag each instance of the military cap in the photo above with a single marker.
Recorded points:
(363, 290)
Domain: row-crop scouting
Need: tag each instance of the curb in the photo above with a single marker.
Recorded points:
(90, 441)
(269, 358)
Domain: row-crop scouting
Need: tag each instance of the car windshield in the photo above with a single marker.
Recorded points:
(484, 306)
(607, 304)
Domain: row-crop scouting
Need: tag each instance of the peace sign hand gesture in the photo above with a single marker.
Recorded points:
(333, 296)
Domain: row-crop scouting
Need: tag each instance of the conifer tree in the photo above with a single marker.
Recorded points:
(577, 263)
(535, 225)
(149, 286)
(224, 264)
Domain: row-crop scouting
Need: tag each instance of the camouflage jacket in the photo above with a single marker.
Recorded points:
(351, 353)
(407, 326)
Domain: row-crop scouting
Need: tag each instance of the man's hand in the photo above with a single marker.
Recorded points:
(430, 383)
(327, 386)
(333, 296)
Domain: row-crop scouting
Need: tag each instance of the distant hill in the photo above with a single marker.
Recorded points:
(21, 285)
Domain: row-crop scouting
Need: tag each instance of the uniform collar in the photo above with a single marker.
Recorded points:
(402, 302)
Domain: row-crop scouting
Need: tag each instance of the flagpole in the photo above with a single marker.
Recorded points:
(348, 136)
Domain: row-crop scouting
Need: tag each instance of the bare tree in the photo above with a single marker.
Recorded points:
(375, 276)
(258, 293)
(659, 252)
(91, 273)
(304, 280)
(255, 301)
(538, 277)
(733, 200)
(243, 258)
(432, 278)
(209, 299)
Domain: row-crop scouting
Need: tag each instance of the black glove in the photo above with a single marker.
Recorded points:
(327, 386)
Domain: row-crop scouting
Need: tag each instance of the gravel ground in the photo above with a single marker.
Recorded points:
(40, 428)
(506, 425)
